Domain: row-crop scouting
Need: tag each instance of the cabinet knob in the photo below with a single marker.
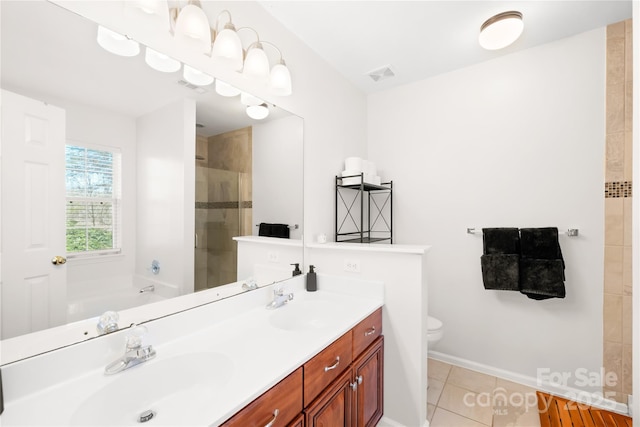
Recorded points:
(273, 420)
(359, 378)
(370, 331)
(353, 385)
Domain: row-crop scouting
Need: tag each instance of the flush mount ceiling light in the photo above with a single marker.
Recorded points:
(196, 77)
(501, 30)
(161, 62)
(258, 112)
(117, 43)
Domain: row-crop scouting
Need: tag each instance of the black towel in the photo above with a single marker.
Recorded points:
(541, 265)
(500, 261)
(273, 230)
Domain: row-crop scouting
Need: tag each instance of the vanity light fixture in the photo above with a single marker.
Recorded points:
(248, 99)
(501, 30)
(154, 13)
(258, 112)
(225, 89)
(192, 26)
(161, 62)
(227, 47)
(117, 43)
(256, 64)
(196, 77)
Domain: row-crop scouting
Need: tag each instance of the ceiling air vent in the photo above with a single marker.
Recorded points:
(191, 86)
(381, 73)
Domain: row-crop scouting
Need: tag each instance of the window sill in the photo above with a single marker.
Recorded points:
(95, 259)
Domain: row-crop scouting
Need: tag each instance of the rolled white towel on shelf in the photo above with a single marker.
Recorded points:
(353, 164)
(354, 177)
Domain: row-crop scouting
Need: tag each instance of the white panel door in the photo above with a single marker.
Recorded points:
(34, 295)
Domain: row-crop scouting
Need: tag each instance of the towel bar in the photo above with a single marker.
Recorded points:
(571, 232)
(294, 226)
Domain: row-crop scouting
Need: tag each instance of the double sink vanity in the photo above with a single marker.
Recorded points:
(316, 359)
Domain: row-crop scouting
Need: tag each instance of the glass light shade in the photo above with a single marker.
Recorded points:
(196, 77)
(501, 30)
(256, 64)
(227, 48)
(192, 26)
(161, 62)
(258, 112)
(225, 89)
(281, 79)
(150, 13)
(117, 43)
(248, 99)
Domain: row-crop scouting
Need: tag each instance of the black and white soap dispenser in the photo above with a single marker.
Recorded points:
(296, 270)
(312, 283)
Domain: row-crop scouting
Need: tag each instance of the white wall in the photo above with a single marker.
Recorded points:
(334, 111)
(516, 141)
(277, 194)
(98, 127)
(166, 193)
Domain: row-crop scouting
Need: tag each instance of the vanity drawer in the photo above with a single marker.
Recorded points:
(326, 366)
(366, 332)
(284, 397)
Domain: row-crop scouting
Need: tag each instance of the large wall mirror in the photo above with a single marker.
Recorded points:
(140, 180)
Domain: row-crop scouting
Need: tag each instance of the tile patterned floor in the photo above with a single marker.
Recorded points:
(459, 397)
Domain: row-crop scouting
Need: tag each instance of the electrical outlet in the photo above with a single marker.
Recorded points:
(273, 256)
(352, 265)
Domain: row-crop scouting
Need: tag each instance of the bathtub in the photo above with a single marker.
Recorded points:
(88, 304)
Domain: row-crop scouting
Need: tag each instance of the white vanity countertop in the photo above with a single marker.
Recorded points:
(251, 348)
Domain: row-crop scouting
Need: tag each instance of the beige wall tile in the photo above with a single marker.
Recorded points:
(437, 369)
(615, 108)
(616, 30)
(627, 271)
(628, 216)
(628, 106)
(471, 380)
(628, 156)
(461, 401)
(612, 316)
(613, 267)
(627, 374)
(444, 418)
(627, 320)
(614, 221)
(614, 160)
(628, 47)
(434, 390)
(615, 61)
(612, 362)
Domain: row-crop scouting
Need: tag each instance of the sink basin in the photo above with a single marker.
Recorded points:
(172, 388)
(307, 315)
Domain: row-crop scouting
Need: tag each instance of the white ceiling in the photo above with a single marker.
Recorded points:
(420, 39)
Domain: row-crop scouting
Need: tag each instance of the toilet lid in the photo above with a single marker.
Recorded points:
(433, 324)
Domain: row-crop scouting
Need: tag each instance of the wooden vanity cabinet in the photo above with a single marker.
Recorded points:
(340, 386)
(277, 407)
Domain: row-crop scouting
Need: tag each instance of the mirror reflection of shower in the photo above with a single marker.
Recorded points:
(223, 204)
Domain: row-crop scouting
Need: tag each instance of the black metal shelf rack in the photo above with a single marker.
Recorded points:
(362, 201)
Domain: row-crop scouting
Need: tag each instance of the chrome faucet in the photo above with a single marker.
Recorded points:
(135, 353)
(250, 284)
(279, 299)
(108, 322)
(149, 288)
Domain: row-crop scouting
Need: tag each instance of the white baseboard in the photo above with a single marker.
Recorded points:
(388, 422)
(554, 389)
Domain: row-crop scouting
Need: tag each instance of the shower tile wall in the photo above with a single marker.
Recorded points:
(617, 320)
(223, 204)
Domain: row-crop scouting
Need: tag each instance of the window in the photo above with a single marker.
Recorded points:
(92, 178)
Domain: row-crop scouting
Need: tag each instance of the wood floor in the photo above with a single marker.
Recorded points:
(558, 412)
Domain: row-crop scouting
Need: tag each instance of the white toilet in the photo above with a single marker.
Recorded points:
(435, 331)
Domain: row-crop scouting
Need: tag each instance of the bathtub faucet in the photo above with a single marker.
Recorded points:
(135, 353)
(149, 288)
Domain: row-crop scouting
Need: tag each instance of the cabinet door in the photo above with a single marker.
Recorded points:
(298, 422)
(333, 407)
(368, 374)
